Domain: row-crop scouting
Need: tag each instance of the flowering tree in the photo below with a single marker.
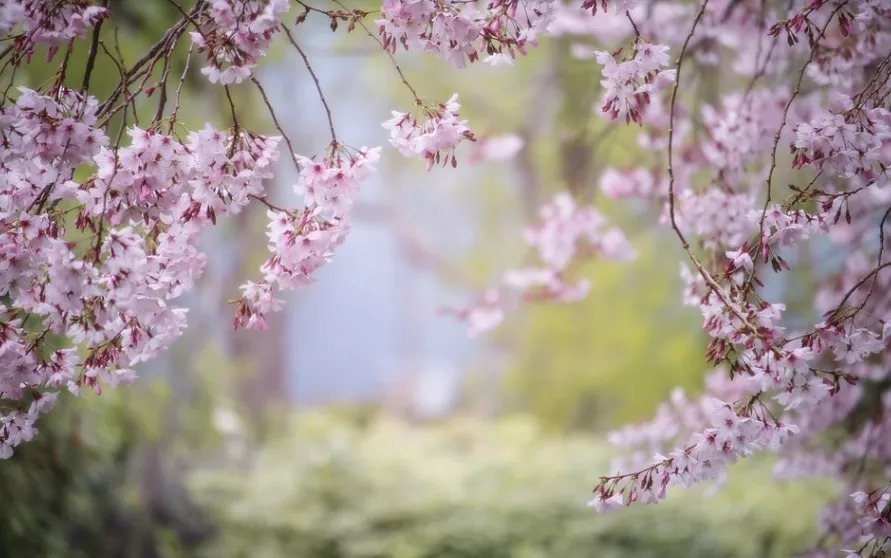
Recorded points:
(786, 165)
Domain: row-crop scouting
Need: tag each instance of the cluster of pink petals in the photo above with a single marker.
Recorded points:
(620, 6)
(44, 128)
(737, 129)
(874, 520)
(848, 142)
(105, 299)
(236, 35)
(632, 183)
(733, 432)
(435, 138)
(739, 418)
(566, 234)
(628, 84)
(157, 176)
(461, 32)
(48, 23)
(97, 242)
(303, 241)
(786, 380)
(721, 219)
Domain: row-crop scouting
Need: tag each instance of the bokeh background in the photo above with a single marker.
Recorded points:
(364, 423)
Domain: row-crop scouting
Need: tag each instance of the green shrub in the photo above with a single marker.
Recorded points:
(78, 489)
(330, 489)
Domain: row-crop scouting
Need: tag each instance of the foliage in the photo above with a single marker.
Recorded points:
(572, 363)
(89, 487)
(329, 488)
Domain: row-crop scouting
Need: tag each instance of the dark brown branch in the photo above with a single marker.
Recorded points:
(91, 57)
(172, 34)
(231, 107)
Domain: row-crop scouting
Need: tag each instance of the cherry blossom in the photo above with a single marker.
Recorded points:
(763, 148)
(460, 31)
(784, 381)
(628, 84)
(49, 23)
(435, 138)
(236, 35)
(566, 235)
(302, 241)
(495, 148)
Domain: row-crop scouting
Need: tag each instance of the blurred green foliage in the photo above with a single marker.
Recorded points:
(612, 357)
(615, 355)
(329, 488)
(88, 486)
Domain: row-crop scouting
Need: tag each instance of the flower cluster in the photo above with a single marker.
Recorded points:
(633, 183)
(58, 128)
(620, 6)
(98, 237)
(566, 235)
(737, 129)
(48, 23)
(813, 390)
(847, 142)
(873, 510)
(719, 218)
(484, 314)
(460, 31)
(733, 432)
(235, 35)
(156, 175)
(95, 264)
(303, 241)
(628, 84)
(434, 139)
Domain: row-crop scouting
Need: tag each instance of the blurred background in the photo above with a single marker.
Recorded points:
(365, 423)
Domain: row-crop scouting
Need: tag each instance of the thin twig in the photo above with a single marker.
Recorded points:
(858, 284)
(776, 137)
(872, 283)
(671, 204)
(179, 88)
(162, 100)
(151, 56)
(316, 81)
(275, 121)
(231, 107)
(389, 54)
(674, 94)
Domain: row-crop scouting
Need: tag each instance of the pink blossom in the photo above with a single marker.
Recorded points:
(235, 35)
(627, 84)
(433, 139)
